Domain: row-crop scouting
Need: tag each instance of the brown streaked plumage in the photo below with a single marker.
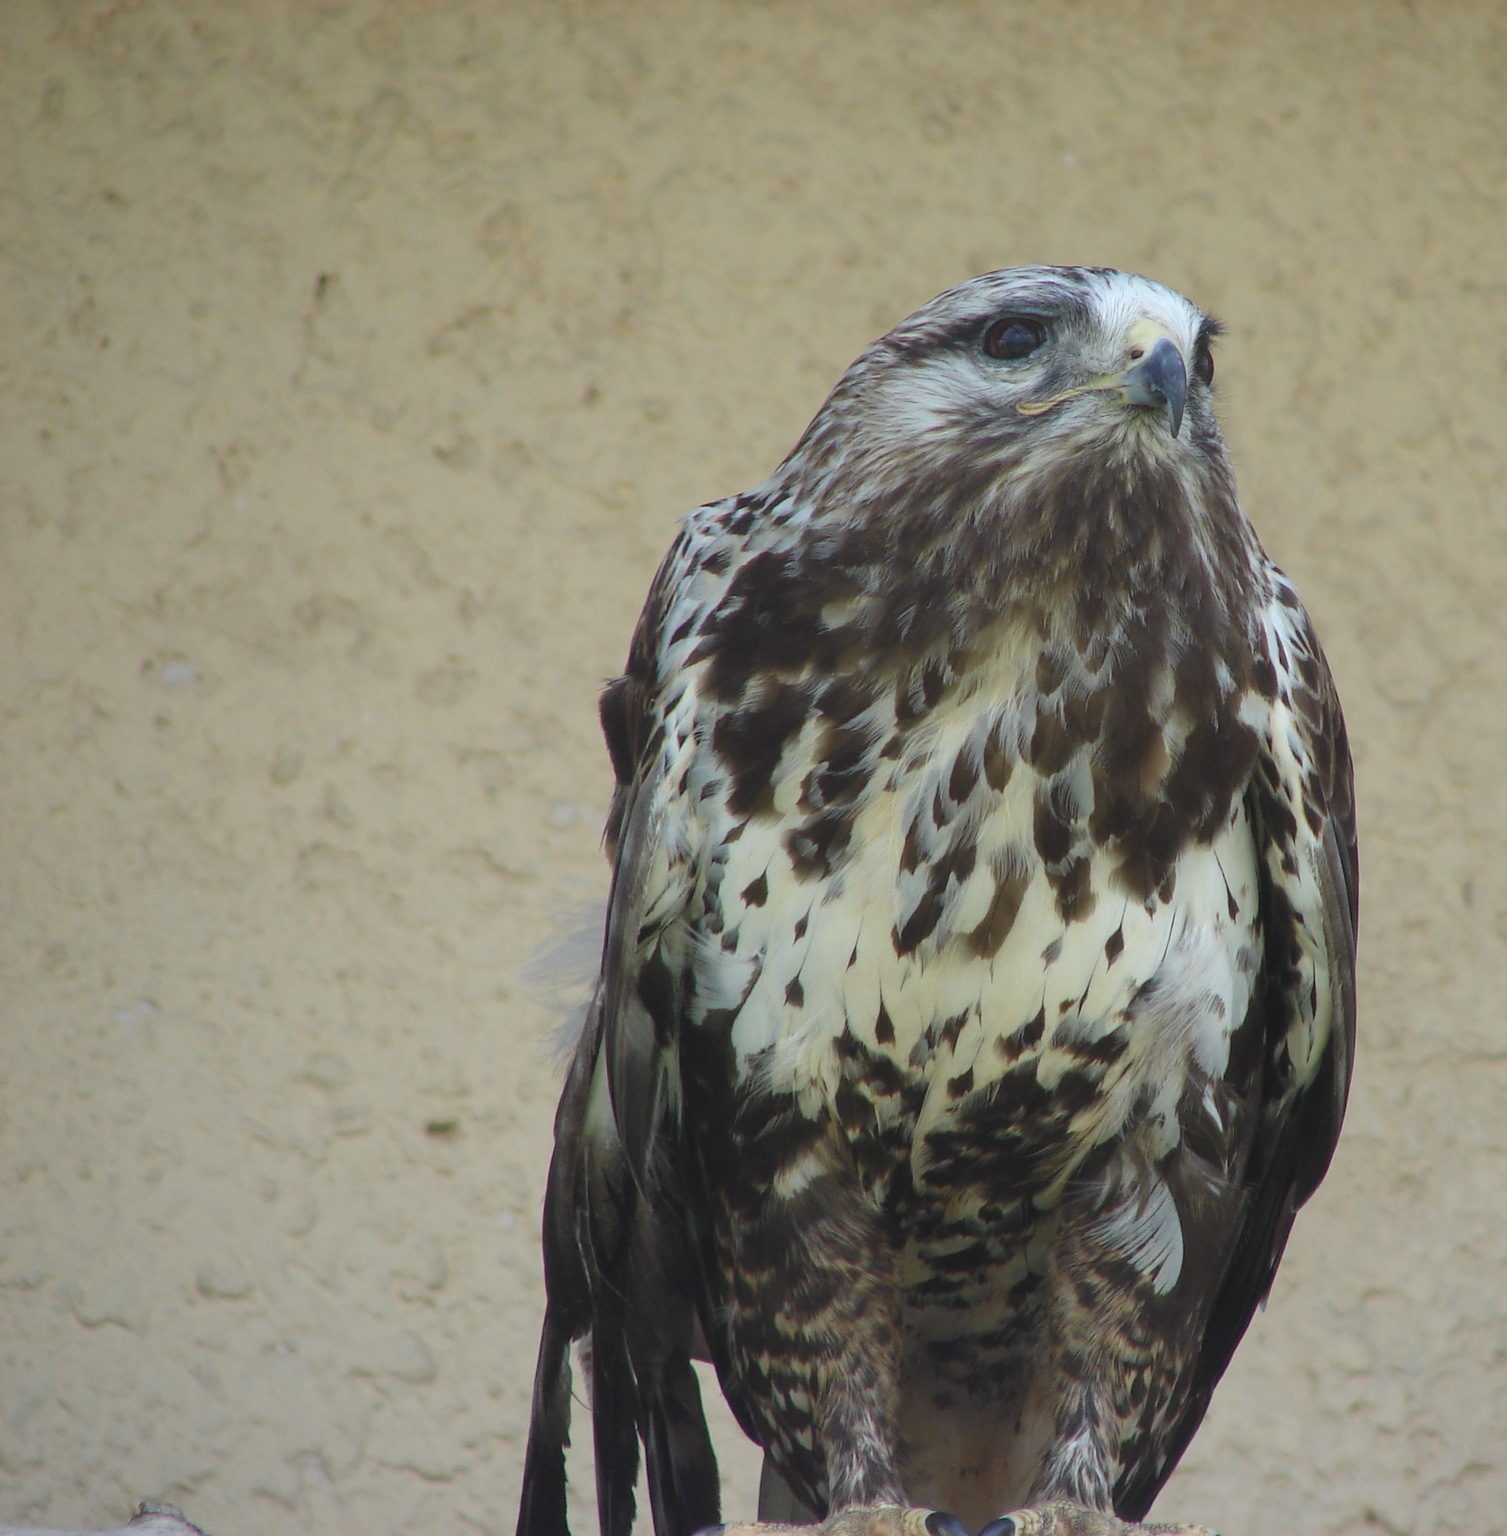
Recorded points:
(977, 992)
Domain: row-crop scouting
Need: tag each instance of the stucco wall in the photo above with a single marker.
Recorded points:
(356, 362)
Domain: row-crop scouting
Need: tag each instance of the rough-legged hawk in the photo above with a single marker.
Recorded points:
(977, 992)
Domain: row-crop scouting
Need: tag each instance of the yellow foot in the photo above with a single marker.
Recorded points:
(1063, 1519)
(874, 1520)
(1057, 1519)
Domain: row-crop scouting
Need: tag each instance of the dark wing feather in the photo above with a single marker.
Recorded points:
(542, 1506)
(1312, 815)
(619, 1270)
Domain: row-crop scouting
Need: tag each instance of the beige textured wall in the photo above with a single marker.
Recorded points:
(356, 361)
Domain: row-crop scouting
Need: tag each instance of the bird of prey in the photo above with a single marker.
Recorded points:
(976, 1001)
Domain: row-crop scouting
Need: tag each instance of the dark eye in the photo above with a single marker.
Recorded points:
(1203, 363)
(1014, 337)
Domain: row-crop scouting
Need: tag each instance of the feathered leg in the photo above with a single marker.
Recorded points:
(814, 1328)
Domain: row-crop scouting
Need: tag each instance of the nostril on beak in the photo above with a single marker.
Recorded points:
(1159, 379)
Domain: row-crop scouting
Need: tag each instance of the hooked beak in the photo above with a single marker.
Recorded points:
(1158, 381)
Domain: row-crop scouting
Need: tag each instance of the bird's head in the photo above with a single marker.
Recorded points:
(1028, 343)
(1040, 358)
(1014, 385)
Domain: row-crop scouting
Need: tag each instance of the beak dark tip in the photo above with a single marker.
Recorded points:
(1160, 379)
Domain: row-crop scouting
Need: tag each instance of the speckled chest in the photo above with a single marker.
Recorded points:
(982, 913)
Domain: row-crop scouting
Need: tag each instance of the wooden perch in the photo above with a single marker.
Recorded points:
(149, 1520)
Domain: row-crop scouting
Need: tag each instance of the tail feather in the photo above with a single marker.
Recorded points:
(541, 1509)
(684, 1488)
(614, 1421)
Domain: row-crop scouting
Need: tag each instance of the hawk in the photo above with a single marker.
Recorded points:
(976, 1001)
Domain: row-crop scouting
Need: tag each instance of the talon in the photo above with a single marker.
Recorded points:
(942, 1523)
(1004, 1526)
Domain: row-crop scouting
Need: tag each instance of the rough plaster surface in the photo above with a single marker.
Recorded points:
(356, 361)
